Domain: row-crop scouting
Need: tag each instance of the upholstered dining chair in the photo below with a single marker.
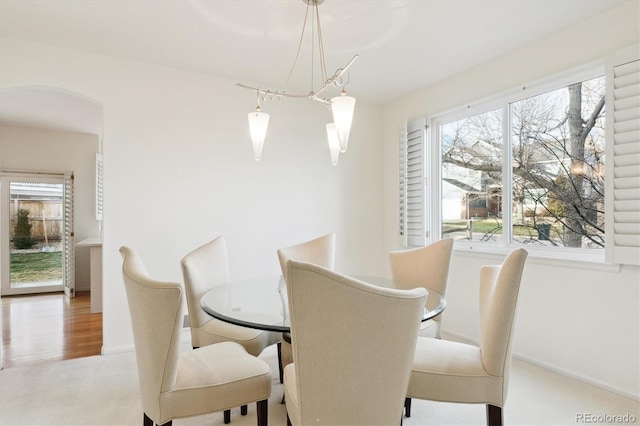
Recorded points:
(353, 347)
(319, 251)
(206, 268)
(175, 383)
(426, 267)
(450, 371)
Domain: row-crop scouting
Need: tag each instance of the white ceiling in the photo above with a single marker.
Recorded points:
(404, 45)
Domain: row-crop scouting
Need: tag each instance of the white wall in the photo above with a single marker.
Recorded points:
(583, 322)
(36, 149)
(179, 170)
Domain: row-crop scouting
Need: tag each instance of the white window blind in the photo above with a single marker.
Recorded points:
(402, 184)
(626, 156)
(99, 186)
(411, 181)
(69, 238)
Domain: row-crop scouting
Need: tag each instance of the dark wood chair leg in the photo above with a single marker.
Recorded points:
(262, 408)
(494, 415)
(288, 420)
(146, 420)
(227, 417)
(407, 407)
(243, 410)
(280, 369)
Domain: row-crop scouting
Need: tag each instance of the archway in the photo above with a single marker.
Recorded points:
(53, 114)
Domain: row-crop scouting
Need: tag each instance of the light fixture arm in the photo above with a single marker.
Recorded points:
(332, 81)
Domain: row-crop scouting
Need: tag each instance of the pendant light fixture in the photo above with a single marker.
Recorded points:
(341, 105)
(258, 124)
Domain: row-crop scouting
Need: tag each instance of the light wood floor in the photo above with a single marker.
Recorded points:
(48, 327)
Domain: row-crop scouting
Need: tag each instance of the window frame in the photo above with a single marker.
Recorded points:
(503, 100)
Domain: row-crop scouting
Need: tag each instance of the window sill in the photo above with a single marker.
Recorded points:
(562, 257)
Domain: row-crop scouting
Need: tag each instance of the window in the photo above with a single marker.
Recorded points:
(535, 168)
(471, 176)
(556, 180)
(529, 172)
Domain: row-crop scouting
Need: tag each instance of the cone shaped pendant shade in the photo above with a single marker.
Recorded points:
(334, 143)
(258, 123)
(342, 109)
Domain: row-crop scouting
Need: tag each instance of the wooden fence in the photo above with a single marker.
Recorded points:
(46, 218)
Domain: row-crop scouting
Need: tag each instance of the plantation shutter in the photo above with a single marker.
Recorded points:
(402, 185)
(99, 187)
(69, 252)
(412, 191)
(626, 156)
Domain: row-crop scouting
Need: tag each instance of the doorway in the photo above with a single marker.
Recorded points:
(37, 238)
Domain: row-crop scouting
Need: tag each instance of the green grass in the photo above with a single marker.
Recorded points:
(36, 267)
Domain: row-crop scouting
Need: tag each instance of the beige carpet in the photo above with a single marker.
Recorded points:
(103, 390)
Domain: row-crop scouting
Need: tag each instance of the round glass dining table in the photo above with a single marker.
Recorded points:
(261, 303)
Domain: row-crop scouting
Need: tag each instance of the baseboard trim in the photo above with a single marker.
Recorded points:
(116, 349)
(550, 367)
(185, 338)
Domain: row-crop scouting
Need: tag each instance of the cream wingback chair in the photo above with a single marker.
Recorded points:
(353, 347)
(457, 372)
(175, 384)
(319, 251)
(203, 269)
(426, 267)
(206, 268)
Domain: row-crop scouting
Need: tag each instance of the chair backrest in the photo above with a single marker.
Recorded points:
(155, 311)
(353, 346)
(203, 269)
(426, 267)
(499, 289)
(320, 251)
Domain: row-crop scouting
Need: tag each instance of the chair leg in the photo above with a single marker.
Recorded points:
(227, 417)
(262, 408)
(407, 407)
(243, 410)
(280, 362)
(146, 420)
(494, 415)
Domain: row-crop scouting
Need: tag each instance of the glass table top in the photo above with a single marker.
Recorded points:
(261, 302)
